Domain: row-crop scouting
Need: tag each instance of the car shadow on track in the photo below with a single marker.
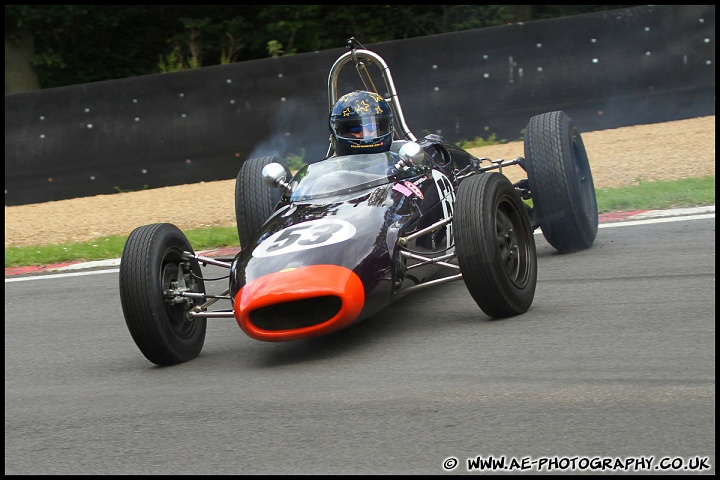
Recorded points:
(443, 310)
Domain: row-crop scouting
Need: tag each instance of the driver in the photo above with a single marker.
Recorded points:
(361, 122)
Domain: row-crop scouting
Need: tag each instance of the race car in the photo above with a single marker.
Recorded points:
(345, 236)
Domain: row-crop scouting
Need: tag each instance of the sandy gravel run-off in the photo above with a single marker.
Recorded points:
(618, 157)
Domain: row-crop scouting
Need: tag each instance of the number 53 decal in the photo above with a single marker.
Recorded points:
(304, 236)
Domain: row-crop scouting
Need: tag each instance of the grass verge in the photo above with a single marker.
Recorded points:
(690, 192)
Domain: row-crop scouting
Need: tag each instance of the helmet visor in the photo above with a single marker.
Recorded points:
(362, 127)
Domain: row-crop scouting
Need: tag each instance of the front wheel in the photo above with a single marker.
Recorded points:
(254, 200)
(561, 183)
(495, 245)
(153, 277)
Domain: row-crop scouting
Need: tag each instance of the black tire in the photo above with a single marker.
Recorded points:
(495, 245)
(150, 263)
(255, 201)
(561, 183)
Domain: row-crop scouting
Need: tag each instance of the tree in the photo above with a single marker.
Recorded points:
(56, 45)
(19, 51)
(70, 44)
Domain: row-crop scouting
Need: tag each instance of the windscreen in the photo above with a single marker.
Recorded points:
(343, 174)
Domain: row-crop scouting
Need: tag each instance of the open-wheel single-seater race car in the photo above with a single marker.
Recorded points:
(345, 236)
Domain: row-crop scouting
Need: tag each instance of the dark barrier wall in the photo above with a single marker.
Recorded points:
(624, 67)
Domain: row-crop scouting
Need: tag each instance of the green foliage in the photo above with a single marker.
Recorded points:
(99, 249)
(171, 62)
(275, 48)
(209, 238)
(77, 44)
(481, 142)
(230, 49)
(109, 247)
(296, 162)
(660, 195)
(117, 189)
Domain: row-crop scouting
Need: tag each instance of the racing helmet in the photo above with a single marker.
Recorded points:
(361, 122)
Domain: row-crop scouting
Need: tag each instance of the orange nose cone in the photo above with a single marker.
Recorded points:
(300, 303)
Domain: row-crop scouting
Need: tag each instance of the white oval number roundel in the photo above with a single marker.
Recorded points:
(304, 236)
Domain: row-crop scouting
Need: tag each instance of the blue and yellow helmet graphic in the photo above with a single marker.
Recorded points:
(361, 122)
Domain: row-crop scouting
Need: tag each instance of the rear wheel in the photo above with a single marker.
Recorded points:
(255, 201)
(561, 183)
(152, 277)
(494, 244)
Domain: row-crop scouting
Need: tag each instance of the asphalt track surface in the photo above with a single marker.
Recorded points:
(612, 370)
